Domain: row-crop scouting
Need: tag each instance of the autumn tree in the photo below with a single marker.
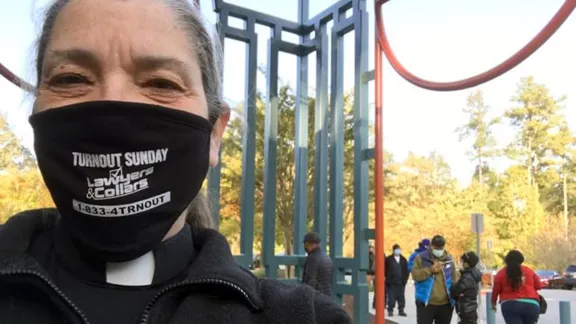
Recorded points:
(424, 200)
(21, 186)
(13, 154)
(551, 248)
(517, 211)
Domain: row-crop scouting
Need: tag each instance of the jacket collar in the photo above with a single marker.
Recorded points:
(213, 261)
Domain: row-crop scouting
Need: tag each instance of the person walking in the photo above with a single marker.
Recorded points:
(374, 279)
(318, 266)
(433, 274)
(422, 246)
(396, 273)
(371, 266)
(465, 291)
(517, 288)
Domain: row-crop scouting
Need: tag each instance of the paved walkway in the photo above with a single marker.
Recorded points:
(553, 297)
(411, 310)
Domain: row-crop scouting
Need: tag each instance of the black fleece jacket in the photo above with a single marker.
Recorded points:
(465, 291)
(216, 289)
(390, 262)
(318, 271)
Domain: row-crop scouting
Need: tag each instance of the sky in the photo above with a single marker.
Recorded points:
(440, 40)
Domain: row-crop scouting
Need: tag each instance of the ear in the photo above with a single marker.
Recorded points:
(217, 132)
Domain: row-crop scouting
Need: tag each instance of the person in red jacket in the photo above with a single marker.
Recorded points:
(517, 287)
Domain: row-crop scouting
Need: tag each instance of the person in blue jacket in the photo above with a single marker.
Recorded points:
(422, 246)
(433, 274)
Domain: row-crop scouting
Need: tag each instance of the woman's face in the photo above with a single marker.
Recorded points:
(123, 51)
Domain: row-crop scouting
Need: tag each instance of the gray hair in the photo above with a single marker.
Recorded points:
(199, 214)
(208, 50)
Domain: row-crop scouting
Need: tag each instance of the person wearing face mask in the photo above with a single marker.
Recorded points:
(396, 273)
(128, 117)
(422, 246)
(317, 271)
(465, 291)
(433, 274)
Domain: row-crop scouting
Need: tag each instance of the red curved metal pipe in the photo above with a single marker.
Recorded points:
(8, 75)
(557, 20)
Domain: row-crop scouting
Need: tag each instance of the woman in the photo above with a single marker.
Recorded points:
(128, 117)
(517, 287)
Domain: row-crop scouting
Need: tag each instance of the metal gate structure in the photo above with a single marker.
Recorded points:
(329, 136)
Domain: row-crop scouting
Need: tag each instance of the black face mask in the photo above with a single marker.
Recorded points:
(120, 173)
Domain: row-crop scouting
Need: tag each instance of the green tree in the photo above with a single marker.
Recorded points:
(542, 132)
(479, 129)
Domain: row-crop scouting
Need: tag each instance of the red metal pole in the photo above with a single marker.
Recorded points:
(379, 186)
(8, 75)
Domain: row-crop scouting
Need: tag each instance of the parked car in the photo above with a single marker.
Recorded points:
(550, 279)
(570, 277)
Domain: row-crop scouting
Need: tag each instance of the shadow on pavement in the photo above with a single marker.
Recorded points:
(348, 303)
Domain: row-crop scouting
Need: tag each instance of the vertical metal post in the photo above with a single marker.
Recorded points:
(361, 164)
(321, 132)
(565, 313)
(478, 254)
(565, 202)
(301, 145)
(270, 152)
(490, 315)
(336, 144)
(215, 174)
(249, 146)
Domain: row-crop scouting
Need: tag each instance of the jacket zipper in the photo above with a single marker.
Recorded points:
(446, 286)
(146, 314)
(430, 291)
(57, 290)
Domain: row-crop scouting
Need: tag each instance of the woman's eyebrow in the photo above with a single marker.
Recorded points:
(90, 61)
(151, 63)
(76, 56)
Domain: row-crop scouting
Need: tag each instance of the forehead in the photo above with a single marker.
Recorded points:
(121, 28)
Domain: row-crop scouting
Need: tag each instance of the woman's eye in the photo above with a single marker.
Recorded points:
(163, 84)
(68, 79)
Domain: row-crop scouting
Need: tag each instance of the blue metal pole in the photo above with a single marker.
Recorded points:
(565, 313)
(490, 314)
